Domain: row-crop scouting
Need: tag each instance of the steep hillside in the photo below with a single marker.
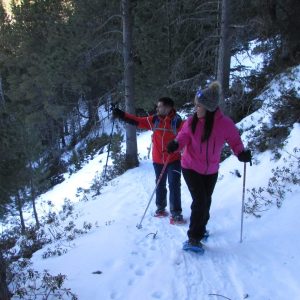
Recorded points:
(94, 240)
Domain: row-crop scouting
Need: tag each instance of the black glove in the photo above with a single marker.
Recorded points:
(245, 156)
(172, 146)
(118, 113)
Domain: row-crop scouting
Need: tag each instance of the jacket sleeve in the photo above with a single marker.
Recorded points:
(181, 125)
(141, 122)
(233, 137)
(184, 135)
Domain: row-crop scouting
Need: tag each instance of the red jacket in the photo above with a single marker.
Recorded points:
(164, 130)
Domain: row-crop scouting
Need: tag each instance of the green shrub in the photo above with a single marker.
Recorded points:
(262, 198)
(287, 111)
(96, 144)
(110, 172)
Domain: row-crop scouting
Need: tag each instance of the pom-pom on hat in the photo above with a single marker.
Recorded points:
(210, 96)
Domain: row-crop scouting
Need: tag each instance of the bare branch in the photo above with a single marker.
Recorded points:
(107, 21)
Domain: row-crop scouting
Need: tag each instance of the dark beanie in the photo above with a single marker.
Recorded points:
(210, 96)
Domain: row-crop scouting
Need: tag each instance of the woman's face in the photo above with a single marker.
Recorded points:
(200, 109)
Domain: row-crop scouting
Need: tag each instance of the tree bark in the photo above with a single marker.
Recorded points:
(2, 100)
(19, 208)
(33, 196)
(62, 133)
(224, 55)
(169, 36)
(93, 112)
(4, 292)
(131, 143)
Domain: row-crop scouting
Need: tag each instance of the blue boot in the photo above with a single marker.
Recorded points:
(193, 245)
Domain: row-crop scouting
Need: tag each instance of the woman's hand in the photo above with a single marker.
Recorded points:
(245, 156)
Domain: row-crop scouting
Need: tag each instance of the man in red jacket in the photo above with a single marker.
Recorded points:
(165, 124)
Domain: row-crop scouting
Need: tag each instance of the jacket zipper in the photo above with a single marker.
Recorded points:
(162, 141)
(207, 163)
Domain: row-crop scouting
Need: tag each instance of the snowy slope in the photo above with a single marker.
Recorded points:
(136, 266)
(272, 94)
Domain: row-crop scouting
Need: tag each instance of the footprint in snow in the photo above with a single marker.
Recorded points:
(114, 295)
(139, 272)
(157, 295)
(150, 264)
(177, 261)
(130, 282)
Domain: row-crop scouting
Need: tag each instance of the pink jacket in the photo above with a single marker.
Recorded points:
(204, 157)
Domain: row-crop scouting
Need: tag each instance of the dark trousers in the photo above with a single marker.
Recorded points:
(173, 173)
(201, 188)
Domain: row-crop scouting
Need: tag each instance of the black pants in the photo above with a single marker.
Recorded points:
(201, 188)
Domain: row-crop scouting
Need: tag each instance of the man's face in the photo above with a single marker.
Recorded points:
(162, 110)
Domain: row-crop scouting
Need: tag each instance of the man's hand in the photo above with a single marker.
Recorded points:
(172, 146)
(118, 113)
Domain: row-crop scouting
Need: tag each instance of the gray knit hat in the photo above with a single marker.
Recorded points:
(210, 96)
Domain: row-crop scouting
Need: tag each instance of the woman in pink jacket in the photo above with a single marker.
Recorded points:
(202, 138)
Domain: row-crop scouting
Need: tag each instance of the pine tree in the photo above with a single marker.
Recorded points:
(131, 143)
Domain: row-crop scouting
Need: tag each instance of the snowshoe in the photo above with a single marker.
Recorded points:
(193, 246)
(177, 220)
(161, 214)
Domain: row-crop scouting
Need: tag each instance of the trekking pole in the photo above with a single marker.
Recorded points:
(139, 226)
(243, 204)
(109, 144)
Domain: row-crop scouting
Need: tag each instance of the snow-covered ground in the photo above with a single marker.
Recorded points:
(272, 94)
(244, 63)
(149, 263)
(134, 265)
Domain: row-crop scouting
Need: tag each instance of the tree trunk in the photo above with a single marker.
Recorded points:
(2, 100)
(62, 133)
(66, 128)
(33, 195)
(131, 143)
(4, 292)
(224, 55)
(93, 112)
(35, 213)
(19, 208)
(169, 36)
